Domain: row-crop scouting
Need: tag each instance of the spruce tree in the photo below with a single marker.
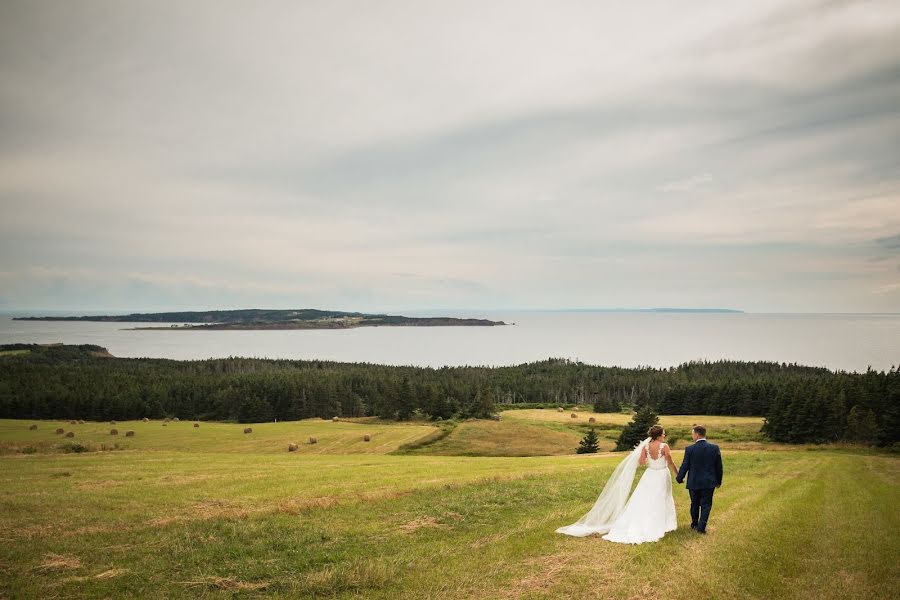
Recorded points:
(861, 426)
(636, 430)
(589, 443)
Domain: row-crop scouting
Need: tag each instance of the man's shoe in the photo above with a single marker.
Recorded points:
(703, 531)
(693, 526)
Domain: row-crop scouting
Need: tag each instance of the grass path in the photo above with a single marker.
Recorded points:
(174, 524)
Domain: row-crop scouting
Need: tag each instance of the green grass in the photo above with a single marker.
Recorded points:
(341, 437)
(500, 438)
(204, 519)
(4, 353)
(730, 432)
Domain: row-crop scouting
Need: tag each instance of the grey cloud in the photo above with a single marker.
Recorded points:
(460, 174)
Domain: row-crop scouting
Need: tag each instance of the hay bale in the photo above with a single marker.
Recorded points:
(129, 433)
(560, 409)
(592, 420)
(367, 438)
(145, 419)
(70, 434)
(574, 416)
(166, 420)
(196, 424)
(335, 419)
(73, 422)
(112, 422)
(32, 428)
(313, 440)
(292, 447)
(60, 430)
(113, 432)
(248, 430)
(80, 421)
(175, 419)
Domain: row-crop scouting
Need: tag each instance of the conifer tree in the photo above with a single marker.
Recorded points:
(636, 430)
(589, 443)
(861, 425)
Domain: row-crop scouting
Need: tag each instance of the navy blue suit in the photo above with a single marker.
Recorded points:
(703, 466)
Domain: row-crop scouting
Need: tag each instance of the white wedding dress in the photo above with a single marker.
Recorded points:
(646, 517)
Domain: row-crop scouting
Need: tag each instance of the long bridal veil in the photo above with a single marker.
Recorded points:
(612, 499)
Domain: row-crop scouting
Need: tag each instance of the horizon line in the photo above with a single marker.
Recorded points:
(660, 309)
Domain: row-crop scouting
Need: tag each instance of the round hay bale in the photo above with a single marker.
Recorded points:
(113, 432)
(73, 422)
(145, 419)
(592, 420)
(60, 430)
(70, 434)
(560, 409)
(196, 424)
(32, 428)
(574, 416)
(112, 422)
(292, 447)
(129, 433)
(175, 419)
(335, 419)
(248, 430)
(166, 420)
(80, 421)
(313, 440)
(367, 438)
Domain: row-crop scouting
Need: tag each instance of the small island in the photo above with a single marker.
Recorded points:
(246, 319)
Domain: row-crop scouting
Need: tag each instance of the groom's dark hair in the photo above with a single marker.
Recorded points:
(700, 430)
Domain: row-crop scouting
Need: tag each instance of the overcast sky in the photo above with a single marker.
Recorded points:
(416, 155)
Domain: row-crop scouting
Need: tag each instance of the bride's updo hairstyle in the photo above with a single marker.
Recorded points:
(655, 431)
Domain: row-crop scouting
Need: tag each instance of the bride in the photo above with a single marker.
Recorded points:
(650, 512)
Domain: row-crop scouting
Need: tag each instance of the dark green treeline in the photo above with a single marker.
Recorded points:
(801, 404)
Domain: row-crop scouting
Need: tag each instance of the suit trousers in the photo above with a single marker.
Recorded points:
(701, 505)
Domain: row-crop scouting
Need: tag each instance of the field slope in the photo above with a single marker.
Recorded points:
(201, 521)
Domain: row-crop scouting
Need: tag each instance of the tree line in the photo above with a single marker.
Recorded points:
(801, 404)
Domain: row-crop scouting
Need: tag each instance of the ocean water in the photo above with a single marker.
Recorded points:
(850, 342)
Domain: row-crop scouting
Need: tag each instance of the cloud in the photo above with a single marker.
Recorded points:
(578, 155)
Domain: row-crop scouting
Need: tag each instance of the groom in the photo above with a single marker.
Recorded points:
(703, 466)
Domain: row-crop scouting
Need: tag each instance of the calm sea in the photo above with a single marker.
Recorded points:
(837, 341)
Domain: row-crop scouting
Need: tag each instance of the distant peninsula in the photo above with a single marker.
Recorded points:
(650, 310)
(246, 319)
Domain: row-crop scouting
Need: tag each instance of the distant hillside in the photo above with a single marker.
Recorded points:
(651, 310)
(304, 318)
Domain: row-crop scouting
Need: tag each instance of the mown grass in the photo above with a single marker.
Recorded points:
(730, 431)
(500, 438)
(341, 437)
(156, 523)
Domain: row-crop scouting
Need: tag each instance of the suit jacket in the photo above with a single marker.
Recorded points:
(703, 466)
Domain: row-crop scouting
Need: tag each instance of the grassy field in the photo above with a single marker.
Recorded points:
(493, 438)
(341, 437)
(194, 515)
(727, 431)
